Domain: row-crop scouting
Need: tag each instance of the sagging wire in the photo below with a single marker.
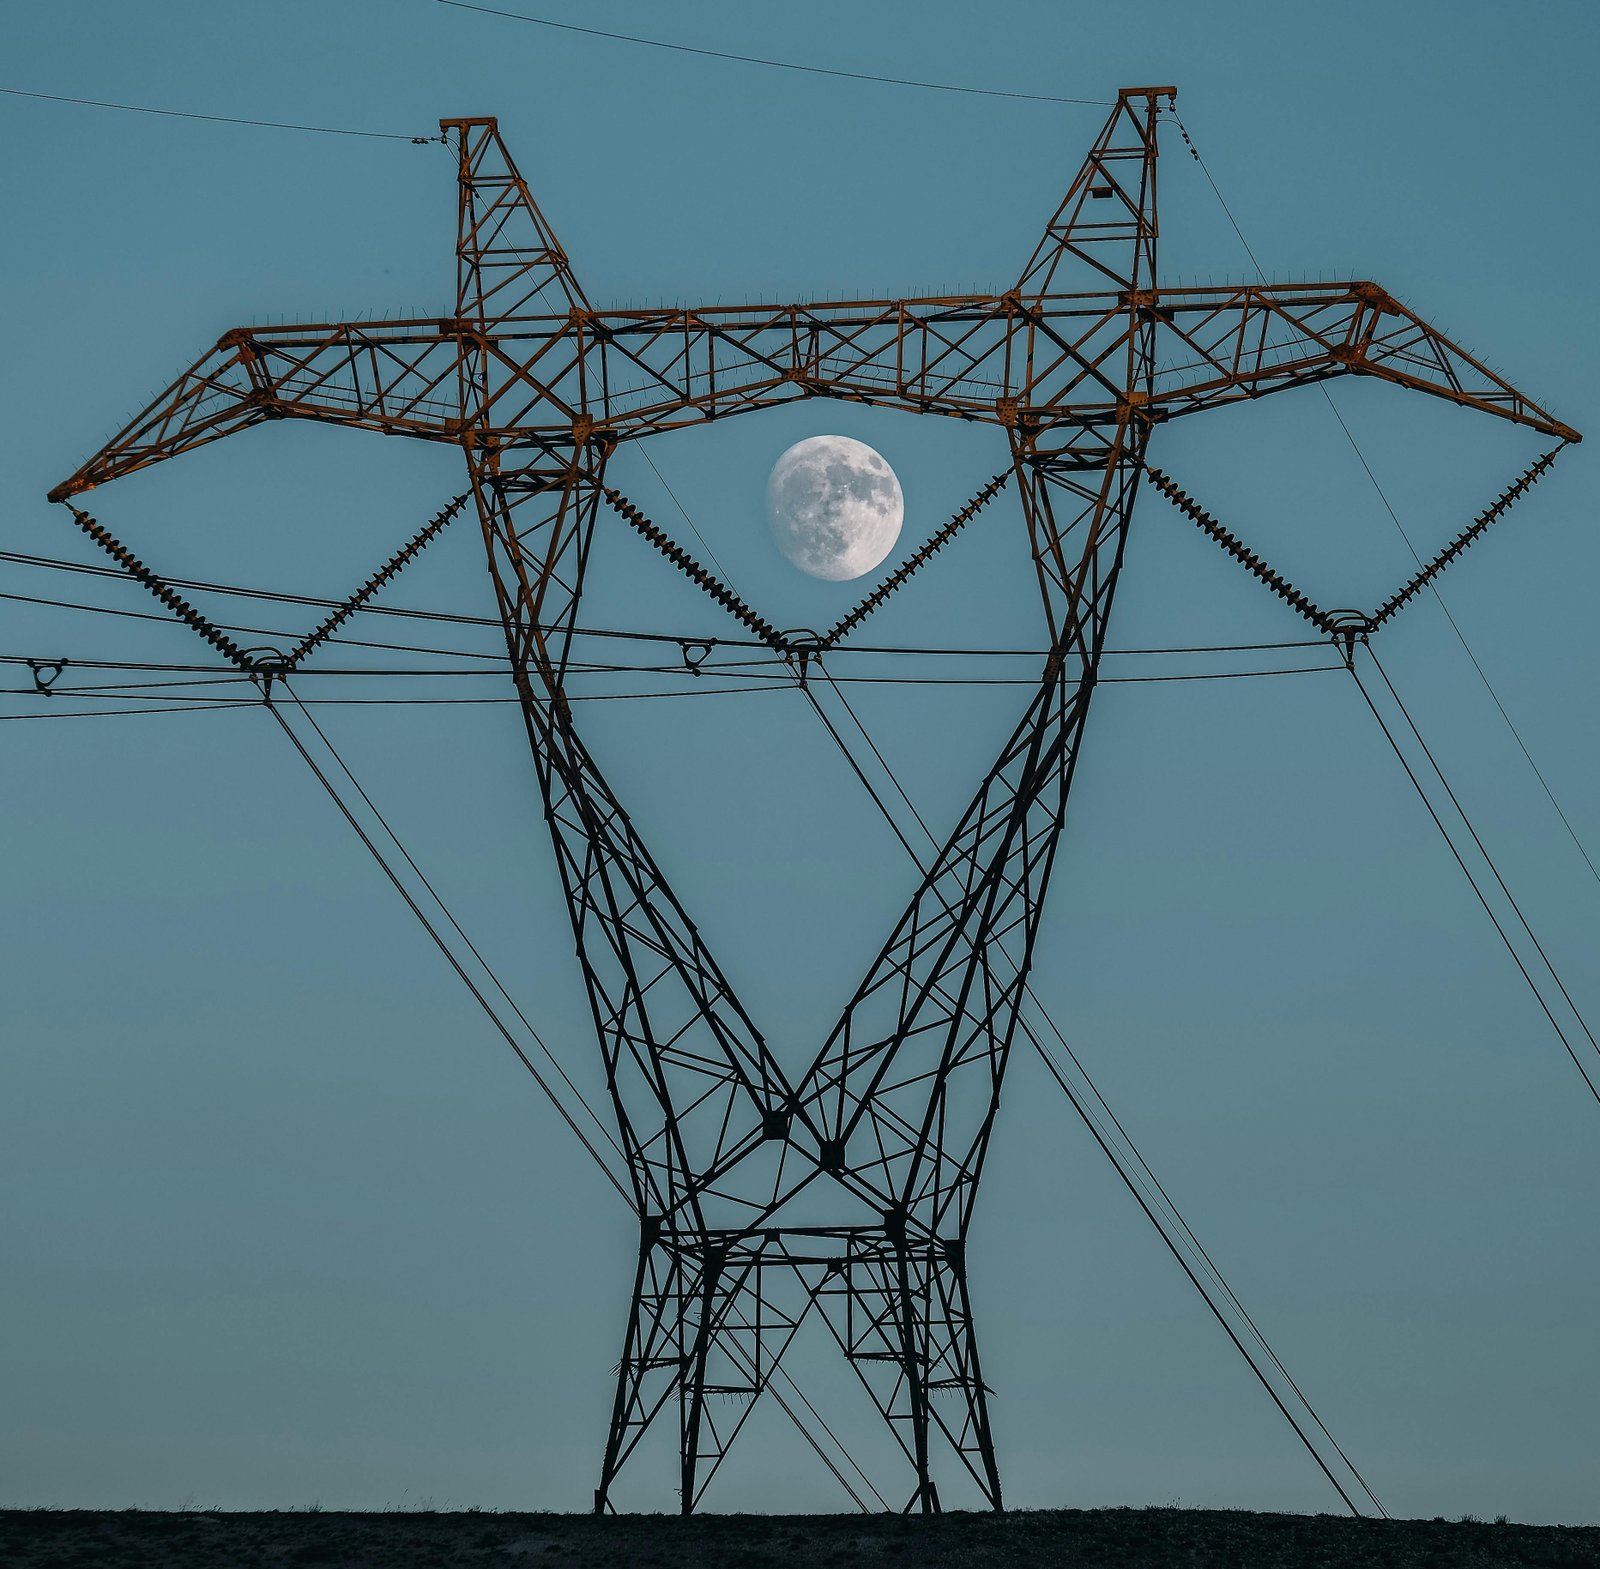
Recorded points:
(1461, 861)
(123, 713)
(1130, 1178)
(222, 119)
(1400, 528)
(766, 675)
(776, 64)
(491, 623)
(1461, 637)
(764, 1387)
(444, 947)
(1358, 630)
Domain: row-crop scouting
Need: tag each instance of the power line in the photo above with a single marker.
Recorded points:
(1194, 152)
(776, 64)
(748, 685)
(732, 669)
(1127, 1177)
(221, 119)
(439, 942)
(233, 626)
(124, 713)
(1394, 517)
(1488, 859)
(883, 1503)
(1461, 638)
(494, 978)
(1216, 1312)
(168, 691)
(1460, 860)
(472, 948)
(459, 618)
(1188, 1233)
(644, 452)
(105, 694)
(738, 1351)
(734, 1349)
(768, 677)
(1135, 1153)
(368, 702)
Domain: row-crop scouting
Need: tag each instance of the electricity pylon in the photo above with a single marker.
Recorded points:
(846, 1190)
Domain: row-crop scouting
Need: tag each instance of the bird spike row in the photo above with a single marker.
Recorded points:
(174, 602)
(1468, 536)
(1236, 548)
(914, 562)
(413, 547)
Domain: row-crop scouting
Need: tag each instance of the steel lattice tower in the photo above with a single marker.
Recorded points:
(845, 1191)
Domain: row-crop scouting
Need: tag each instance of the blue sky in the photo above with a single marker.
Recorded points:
(287, 1224)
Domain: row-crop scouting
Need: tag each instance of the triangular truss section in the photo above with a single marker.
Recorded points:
(885, 1134)
(1347, 624)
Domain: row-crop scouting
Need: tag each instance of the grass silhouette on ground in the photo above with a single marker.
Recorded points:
(1083, 1539)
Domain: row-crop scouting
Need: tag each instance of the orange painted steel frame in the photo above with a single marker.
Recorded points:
(845, 1191)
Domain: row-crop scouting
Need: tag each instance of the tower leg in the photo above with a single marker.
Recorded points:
(692, 1394)
(975, 1437)
(913, 1385)
(647, 1371)
(899, 1311)
(694, 1329)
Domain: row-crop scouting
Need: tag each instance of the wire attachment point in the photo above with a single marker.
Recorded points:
(1347, 628)
(45, 673)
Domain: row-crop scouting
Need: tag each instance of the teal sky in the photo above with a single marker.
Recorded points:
(284, 1221)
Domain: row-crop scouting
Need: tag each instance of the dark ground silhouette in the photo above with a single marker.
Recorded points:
(1083, 1539)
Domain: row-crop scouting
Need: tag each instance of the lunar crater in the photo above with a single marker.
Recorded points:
(835, 507)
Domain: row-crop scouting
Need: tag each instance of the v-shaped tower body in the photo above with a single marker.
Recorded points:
(847, 1192)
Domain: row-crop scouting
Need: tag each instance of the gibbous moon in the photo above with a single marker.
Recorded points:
(835, 507)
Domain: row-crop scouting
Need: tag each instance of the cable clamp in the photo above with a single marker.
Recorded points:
(1347, 628)
(801, 646)
(695, 653)
(266, 664)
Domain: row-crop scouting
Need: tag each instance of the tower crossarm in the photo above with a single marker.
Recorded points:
(395, 377)
(1224, 345)
(993, 359)
(849, 1189)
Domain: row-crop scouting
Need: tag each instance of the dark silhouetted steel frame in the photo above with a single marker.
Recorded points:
(885, 1133)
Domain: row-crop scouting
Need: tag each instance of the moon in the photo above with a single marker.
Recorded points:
(835, 507)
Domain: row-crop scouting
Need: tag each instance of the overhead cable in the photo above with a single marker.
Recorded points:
(459, 618)
(439, 942)
(1589, 1078)
(781, 65)
(1388, 507)
(122, 713)
(1128, 1177)
(472, 948)
(221, 119)
(396, 563)
(1426, 574)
